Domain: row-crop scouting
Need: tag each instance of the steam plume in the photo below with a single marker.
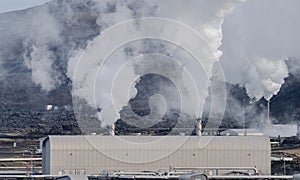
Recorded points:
(257, 41)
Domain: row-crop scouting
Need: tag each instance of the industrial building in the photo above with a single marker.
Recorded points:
(92, 155)
(241, 132)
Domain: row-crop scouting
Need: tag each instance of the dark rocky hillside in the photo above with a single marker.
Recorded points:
(285, 106)
(23, 99)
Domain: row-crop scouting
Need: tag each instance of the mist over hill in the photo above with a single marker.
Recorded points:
(36, 45)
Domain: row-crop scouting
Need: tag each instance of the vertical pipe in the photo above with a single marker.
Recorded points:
(112, 130)
(268, 111)
(199, 127)
(244, 107)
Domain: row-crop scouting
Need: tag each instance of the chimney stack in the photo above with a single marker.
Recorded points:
(199, 127)
(112, 130)
(268, 111)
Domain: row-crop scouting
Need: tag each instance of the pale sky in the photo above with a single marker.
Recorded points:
(11, 5)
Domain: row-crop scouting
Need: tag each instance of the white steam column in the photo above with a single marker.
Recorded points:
(199, 127)
(112, 130)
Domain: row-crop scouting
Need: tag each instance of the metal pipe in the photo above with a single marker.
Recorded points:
(268, 111)
(20, 159)
(251, 177)
(217, 168)
(112, 130)
(12, 167)
(199, 127)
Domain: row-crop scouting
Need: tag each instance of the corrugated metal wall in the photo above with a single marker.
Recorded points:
(94, 154)
(46, 156)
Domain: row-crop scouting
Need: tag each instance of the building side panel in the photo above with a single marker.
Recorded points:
(46, 156)
(220, 152)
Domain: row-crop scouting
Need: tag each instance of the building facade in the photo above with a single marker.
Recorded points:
(96, 154)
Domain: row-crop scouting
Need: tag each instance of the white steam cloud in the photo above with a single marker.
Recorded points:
(38, 57)
(258, 37)
(203, 17)
(253, 41)
(40, 62)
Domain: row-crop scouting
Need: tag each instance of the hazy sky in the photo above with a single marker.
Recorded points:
(10, 5)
